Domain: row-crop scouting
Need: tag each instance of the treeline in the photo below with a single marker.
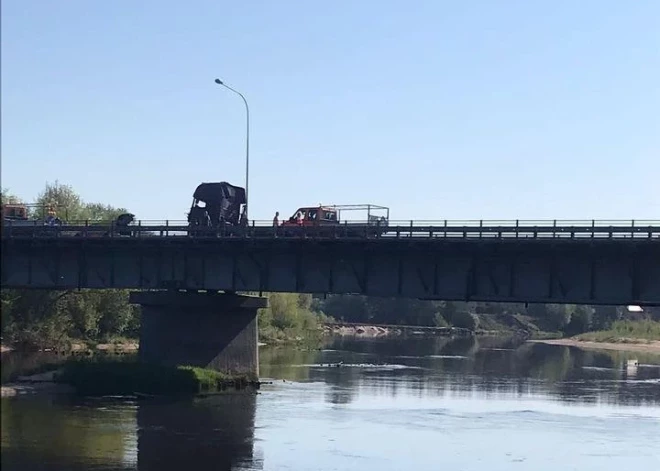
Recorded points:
(568, 319)
(67, 204)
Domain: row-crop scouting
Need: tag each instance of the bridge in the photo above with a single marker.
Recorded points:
(591, 262)
(188, 276)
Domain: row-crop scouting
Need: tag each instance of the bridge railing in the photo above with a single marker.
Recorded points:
(350, 229)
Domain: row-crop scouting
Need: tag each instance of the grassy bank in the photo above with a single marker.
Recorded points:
(625, 332)
(116, 377)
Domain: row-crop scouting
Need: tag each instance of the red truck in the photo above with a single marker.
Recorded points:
(371, 219)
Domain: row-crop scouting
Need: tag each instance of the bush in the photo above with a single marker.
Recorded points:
(626, 330)
(289, 317)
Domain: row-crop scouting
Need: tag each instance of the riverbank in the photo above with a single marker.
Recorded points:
(623, 335)
(631, 345)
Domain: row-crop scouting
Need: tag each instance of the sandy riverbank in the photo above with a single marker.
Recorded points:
(646, 347)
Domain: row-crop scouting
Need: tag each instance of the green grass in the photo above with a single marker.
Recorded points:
(117, 377)
(626, 332)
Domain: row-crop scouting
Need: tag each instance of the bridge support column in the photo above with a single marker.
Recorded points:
(209, 330)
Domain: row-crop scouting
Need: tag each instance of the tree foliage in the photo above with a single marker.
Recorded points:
(289, 316)
(9, 198)
(40, 318)
(567, 318)
(70, 206)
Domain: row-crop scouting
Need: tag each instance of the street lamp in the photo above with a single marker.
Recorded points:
(247, 141)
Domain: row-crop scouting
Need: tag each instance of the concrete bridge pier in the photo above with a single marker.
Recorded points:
(209, 330)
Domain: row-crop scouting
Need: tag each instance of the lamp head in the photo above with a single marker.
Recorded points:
(219, 82)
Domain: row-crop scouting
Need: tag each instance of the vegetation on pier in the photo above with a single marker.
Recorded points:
(116, 377)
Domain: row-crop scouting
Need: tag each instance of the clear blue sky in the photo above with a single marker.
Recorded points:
(437, 109)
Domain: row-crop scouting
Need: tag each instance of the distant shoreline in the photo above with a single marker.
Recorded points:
(643, 346)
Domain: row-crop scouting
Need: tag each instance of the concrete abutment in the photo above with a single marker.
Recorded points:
(210, 330)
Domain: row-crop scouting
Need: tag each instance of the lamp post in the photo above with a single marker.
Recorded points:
(247, 141)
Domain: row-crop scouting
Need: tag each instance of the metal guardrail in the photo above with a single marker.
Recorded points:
(537, 229)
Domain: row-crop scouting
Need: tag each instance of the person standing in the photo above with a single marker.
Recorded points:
(276, 223)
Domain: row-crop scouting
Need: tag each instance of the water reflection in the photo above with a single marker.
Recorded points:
(59, 433)
(46, 434)
(469, 367)
(357, 404)
(213, 433)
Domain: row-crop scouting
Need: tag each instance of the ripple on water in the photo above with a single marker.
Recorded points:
(597, 368)
(371, 366)
(457, 357)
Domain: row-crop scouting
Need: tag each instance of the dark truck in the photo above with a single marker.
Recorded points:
(223, 205)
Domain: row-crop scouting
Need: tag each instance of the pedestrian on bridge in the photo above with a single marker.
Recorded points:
(276, 222)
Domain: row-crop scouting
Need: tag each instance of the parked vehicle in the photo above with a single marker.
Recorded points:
(223, 205)
(371, 219)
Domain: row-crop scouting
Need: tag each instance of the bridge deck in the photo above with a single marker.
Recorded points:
(639, 229)
(568, 264)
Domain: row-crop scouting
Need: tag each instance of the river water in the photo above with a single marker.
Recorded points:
(392, 404)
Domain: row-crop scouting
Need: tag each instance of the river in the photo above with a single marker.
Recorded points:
(387, 404)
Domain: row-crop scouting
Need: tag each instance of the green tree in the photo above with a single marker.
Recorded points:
(9, 198)
(70, 206)
(48, 318)
(605, 316)
(580, 319)
(66, 201)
